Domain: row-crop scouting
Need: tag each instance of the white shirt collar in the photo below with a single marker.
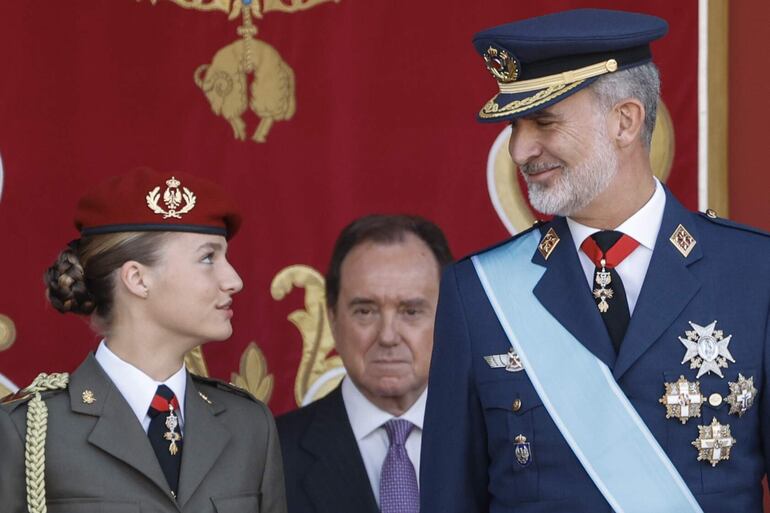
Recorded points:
(366, 417)
(643, 226)
(136, 387)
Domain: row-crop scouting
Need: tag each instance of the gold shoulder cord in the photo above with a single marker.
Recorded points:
(37, 427)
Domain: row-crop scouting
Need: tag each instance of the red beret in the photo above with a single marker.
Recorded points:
(144, 200)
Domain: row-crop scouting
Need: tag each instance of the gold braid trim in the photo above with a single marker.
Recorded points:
(37, 427)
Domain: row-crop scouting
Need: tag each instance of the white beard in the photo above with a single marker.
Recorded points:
(576, 187)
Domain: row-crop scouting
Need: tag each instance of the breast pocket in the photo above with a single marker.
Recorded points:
(90, 506)
(246, 503)
(510, 409)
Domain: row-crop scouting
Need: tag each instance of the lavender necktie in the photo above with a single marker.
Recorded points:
(398, 481)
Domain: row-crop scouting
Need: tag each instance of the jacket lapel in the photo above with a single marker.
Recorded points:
(337, 481)
(668, 287)
(117, 431)
(564, 292)
(205, 437)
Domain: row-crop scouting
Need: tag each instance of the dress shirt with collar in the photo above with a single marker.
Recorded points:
(137, 388)
(367, 421)
(643, 227)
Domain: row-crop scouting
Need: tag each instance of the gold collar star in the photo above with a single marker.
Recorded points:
(706, 349)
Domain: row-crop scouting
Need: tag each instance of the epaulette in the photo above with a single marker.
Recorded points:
(536, 225)
(223, 385)
(712, 216)
(45, 384)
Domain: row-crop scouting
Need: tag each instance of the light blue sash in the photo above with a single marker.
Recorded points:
(601, 426)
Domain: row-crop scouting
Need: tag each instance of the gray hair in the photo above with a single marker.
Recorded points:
(640, 82)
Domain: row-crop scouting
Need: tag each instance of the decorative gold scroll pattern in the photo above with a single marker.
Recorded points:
(313, 325)
(233, 7)
(313, 373)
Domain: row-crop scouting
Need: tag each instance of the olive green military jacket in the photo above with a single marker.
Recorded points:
(98, 457)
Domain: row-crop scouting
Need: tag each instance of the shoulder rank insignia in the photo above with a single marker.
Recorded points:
(510, 361)
(682, 399)
(19, 395)
(682, 240)
(706, 349)
(548, 243)
(741, 395)
(714, 442)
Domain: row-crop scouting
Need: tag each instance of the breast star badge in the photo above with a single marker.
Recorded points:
(682, 399)
(714, 442)
(741, 395)
(706, 349)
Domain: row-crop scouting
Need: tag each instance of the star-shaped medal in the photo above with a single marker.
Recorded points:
(682, 399)
(714, 442)
(741, 395)
(706, 349)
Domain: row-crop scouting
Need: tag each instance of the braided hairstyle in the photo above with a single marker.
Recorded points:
(82, 280)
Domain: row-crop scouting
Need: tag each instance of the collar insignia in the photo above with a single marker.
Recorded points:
(682, 240)
(172, 198)
(714, 442)
(706, 349)
(548, 243)
(204, 397)
(88, 397)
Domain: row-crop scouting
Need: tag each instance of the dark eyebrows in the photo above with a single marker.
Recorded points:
(357, 301)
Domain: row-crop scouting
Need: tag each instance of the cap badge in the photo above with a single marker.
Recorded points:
(548, 243)
(714, 442)
(502, 66)
(682, 399)
(172, 198)
(741, 395)
(706, 349)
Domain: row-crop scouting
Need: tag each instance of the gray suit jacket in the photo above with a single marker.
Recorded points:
(98, 457)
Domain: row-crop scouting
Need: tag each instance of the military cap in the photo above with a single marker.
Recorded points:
(144, 200)
(540, 61)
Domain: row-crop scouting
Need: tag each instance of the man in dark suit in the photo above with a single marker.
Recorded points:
(615, 358)
(357, 450)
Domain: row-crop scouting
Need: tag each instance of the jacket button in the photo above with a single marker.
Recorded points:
(516, 406)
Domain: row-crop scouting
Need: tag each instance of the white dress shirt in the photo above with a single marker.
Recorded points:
(366, 419)
(137, 388)
(643, 227)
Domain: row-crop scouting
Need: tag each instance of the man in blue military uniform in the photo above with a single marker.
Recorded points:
(615, 357)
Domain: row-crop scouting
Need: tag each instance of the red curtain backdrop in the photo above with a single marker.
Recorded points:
(386, 96)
